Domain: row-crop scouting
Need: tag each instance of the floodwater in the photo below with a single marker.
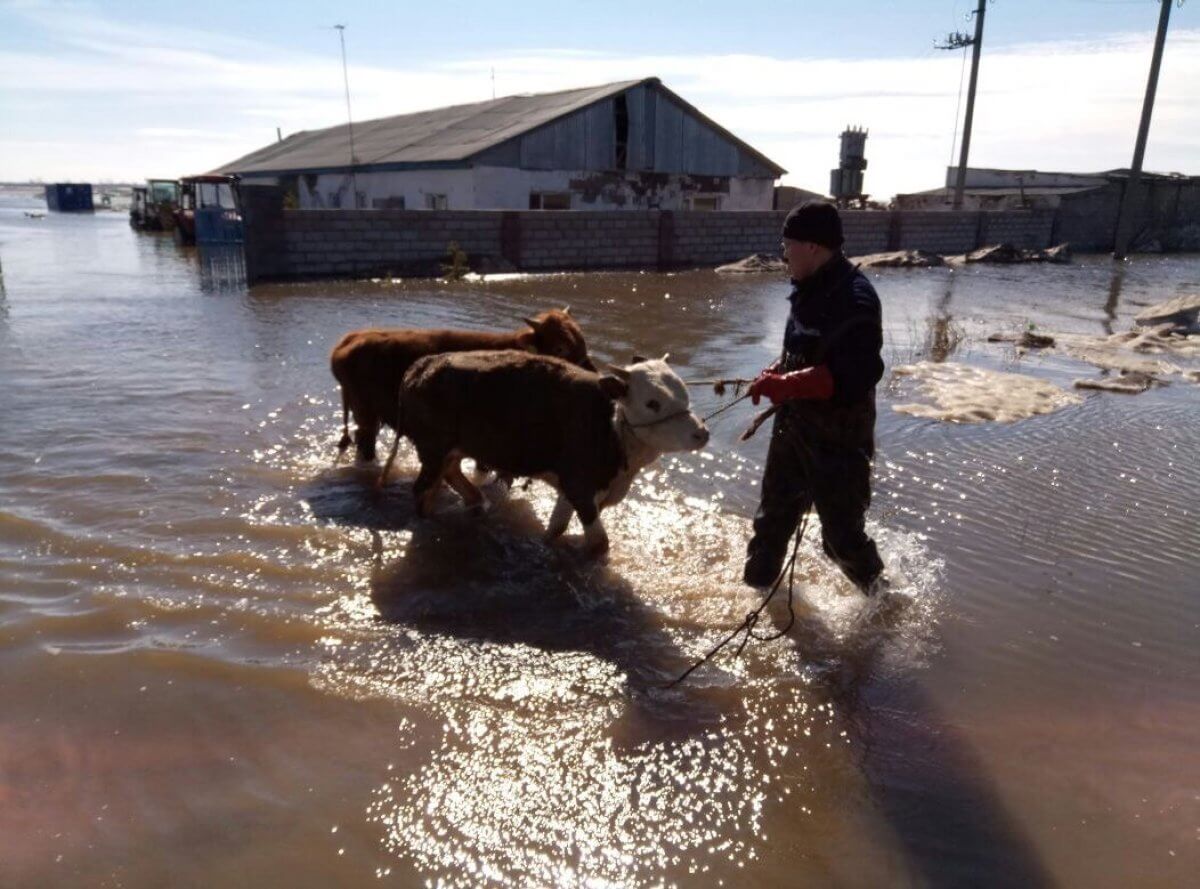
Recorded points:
(225, 662)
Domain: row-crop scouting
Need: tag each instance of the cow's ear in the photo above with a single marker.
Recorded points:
(638, 359)
(619, 372)
(535, 324)
(613, 387)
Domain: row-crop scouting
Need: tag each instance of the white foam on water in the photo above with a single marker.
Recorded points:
(963, 394)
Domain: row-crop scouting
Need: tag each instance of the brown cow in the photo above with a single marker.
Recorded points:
(530, 415)
(369, 364)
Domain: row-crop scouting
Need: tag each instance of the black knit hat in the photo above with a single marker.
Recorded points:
(815, 221)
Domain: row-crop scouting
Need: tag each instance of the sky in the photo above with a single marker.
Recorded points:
(93, 91)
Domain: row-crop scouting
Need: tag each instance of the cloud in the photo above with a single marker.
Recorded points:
(109, 100)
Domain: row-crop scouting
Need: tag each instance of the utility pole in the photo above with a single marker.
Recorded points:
(341, 29)
(1124, 232)
(958, 41)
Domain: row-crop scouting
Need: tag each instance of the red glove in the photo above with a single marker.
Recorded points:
(812, 382)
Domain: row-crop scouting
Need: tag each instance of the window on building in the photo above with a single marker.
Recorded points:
(549, 200)
(435, 202)
(704, 202)
(396, 202)
(621, 120)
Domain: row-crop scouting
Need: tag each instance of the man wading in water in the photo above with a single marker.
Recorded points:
(823, 436)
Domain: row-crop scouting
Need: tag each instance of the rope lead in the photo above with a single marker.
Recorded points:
(751, 619)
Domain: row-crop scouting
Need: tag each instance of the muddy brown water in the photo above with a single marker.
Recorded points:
(223, 662)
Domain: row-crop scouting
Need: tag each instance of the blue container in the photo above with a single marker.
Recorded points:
(65, 197)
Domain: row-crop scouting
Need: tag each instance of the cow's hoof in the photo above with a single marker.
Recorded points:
(596, 551)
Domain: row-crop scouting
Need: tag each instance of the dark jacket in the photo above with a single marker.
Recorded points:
(836, 320)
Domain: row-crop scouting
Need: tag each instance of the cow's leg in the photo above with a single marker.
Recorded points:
(594, 536)
(387, 466)
(344, 441)
(367, 431)
(560, 518)
(455, 478)
(502, 481)
(433, 469)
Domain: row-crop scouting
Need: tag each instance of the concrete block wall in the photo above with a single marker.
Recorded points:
(366, 243)
(1088, 220)
(866, 231)
(357, 243)
(1164, 211)
(938, 231)
(1021, 228)
(703, 238)
(587, 240)
(1165, 208)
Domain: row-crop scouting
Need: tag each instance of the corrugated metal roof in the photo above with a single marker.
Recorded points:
(439, 136)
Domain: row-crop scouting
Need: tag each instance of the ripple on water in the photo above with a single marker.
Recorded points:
(557, 756)
(1090, 538)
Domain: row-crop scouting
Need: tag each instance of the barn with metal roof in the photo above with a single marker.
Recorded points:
(628, 145)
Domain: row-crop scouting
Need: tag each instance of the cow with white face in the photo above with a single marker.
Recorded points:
(586, 434)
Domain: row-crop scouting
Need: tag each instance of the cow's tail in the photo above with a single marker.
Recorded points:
(344, 441)
(387, 467)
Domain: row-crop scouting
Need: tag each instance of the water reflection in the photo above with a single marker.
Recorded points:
(942, 334)
(925, 779)
(222, 268)
(3, 295)
(1114, 297)
(498, 583)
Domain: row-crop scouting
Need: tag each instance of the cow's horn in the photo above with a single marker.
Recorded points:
(566, 310)
(638, 359)
(666, 355)
(536, 325)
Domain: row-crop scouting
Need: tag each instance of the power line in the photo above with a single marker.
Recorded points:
(958, 106)
(959, 40)
(341, 29)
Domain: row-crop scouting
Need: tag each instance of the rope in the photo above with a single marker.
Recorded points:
(719, 385)
(747, 625)
(724, 408)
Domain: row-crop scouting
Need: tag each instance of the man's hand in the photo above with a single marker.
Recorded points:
(812, 382)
